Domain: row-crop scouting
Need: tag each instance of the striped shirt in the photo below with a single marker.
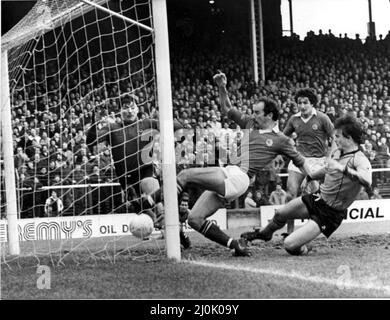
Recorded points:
(338, 189)
(312, 134)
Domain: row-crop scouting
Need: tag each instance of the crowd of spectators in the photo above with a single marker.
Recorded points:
(49, 124)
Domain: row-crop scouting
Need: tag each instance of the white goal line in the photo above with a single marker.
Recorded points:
(340, 284)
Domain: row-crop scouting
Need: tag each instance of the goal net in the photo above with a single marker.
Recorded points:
(78, 73)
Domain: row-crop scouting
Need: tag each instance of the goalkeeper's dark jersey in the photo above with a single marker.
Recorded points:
(131, 144)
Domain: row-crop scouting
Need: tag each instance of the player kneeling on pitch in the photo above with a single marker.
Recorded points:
(344, 174)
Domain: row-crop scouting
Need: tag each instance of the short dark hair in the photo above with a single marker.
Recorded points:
(184, 197)
(128, 98)
(308, 93)
(270, 106)
(350, 127)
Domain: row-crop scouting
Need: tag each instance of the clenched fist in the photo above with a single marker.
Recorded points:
(220, 79)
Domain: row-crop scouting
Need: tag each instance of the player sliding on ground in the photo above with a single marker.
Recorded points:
(224, 184)
(344, 174)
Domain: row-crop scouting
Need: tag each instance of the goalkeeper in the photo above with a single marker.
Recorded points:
(131, 143)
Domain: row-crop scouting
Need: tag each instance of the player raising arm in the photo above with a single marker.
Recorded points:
(344, 175)
(260, 145)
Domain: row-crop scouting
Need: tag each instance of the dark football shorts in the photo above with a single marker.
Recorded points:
(327, 218)
(131, 182)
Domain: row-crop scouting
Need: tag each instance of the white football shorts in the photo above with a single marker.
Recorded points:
(236, 182)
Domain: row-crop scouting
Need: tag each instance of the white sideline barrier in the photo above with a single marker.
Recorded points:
(62, 228)
(358, 211)
(90, 226)
(93, 226)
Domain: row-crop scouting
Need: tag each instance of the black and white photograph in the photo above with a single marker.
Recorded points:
(195, 155)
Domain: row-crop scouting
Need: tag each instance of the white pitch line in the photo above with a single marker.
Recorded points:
(341, 285)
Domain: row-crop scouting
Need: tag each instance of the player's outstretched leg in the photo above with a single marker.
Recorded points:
(208, 178)
(295, 209)
(297, 243)
(278, 221)
(207, 204)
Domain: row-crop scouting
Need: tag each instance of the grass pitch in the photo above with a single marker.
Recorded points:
(354, 263)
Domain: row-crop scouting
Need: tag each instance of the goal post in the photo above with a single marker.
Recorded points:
(57, 61)
(8, 154)
(163, 73)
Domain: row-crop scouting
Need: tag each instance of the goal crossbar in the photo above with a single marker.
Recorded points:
(141, 25)
(12, 39)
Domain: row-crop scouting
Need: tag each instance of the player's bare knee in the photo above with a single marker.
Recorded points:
(195, 222)
(290, 245)
(183, 175)
(292, 188)
(149, 185)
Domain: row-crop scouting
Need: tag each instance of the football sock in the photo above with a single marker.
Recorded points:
(211, 231)
(275, 224)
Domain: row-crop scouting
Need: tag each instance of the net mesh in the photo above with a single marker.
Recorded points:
(77, 74)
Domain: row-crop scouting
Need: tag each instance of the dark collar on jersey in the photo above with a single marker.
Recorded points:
(351, 152)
